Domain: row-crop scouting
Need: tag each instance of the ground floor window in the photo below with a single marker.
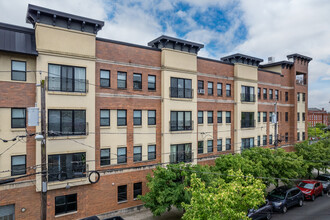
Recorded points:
(137, 189)
(122, 193)
(65, 204)
(247, 143)
(7, 212)
(180, 153)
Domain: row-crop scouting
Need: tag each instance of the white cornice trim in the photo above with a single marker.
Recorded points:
(112, 95)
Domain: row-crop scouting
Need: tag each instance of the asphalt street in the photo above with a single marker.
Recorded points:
(317, 210)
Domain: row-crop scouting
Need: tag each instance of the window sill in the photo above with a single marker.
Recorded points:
(65, 214)
(184, 131)
(104, 127)
(152, 90)
(17, 129)
(181, 99)
(137, 126)
(209, 124)
(152, 126)
(122, 202)
(66, 137)
(122, 126)
(66, 93)
(137, 89)
(121, 88)
(249, 128)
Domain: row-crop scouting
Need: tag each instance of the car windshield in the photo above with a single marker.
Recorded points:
(306, 185)
(279, 194)
(323, 178)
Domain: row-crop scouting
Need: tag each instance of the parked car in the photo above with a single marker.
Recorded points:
(325, 180)
(311, 189)
(284, 197)
(263, 212)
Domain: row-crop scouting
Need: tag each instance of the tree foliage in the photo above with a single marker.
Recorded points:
(222, 199)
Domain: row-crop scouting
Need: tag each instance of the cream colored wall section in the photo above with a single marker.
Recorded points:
(64, 41)
(5, 65)
(245, 75)
(179, 60)
(277, 69)
(7, 132)
(301, 109)
(205, 131)
(145, 135)
(224, 131)
(182, 65)
(113, 136)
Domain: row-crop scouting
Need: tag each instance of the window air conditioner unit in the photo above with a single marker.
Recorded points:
(201, 91)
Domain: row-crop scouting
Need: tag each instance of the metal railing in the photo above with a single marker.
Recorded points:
(248, 97)
(181, 93)
(181, 125)
(63, 84)
(79, 129)
(248, 123)
(178, 157)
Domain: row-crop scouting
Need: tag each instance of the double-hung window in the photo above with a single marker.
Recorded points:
(286, 96)
(219, 89)
(137, 117)
(210, 117)
(200, 117)
(228, 90)
(286, 137)
(298, 116)
(286, 116)
(137, 81)
(180, 88)
(270, 139)
(303, 116)
(122, 80)
(180, 121)
(151, 117)
(247, 143)
(18, 70)
(151, 152)
(66, 166)
(270, 94)
(122, 193)
(228, 117)
(298, 96)
(304, 97)
(200, 87)
(259, 119)
(264, 117)
(228, 143)
(258, 141)
(18, 118)
(105, 78)
(200, 147)
(104, 117)
(219, 117)
(18, 165)
(219, 145)
(137, 156)
(259, 93)
(121, 118)
(151, 82)
(276, 95)
(65, 204)
(247, 120)
(66, 78)
(210, 88)
(209, 146)
(121, 155)
(298, 136)
(265, 93)
(247, 94)
(264, 140)
(137, 189)
(66, 122)
(105, 157)
(180, 153)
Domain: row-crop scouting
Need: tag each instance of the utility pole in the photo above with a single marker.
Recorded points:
(275, 127)
(43, 154)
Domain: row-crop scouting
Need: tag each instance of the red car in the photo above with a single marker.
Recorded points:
(311, 189)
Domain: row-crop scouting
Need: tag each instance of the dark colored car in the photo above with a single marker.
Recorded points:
(285, 197)
(311, 189)
(263, 212)
(325, 180)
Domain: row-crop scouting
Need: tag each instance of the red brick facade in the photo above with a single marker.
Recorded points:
(317, 116)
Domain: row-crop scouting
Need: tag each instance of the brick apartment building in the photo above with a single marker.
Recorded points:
(121, 109)
(316, 115)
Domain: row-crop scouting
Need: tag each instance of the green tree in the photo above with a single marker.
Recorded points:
(222, 199)
(315, 132)
(167, 186)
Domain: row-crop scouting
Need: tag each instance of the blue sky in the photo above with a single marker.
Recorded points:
(260, 28)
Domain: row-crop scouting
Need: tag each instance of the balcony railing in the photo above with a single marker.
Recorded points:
(248, 123)
(248, 97)
(80, 128)
(70, 170)
(178, 157)
(176, 92)
(181, 125)
(63, 84)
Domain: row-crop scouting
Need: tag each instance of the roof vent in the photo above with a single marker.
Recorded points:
(271, 59)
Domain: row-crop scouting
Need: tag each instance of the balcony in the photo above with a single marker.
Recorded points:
(181, 125)
(248, 97)
(248, 123)
(63, 84)
(176, 92)
(178, 157)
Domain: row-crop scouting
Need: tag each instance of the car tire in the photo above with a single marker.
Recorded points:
(301, 203)
(284, 209)
(269, 216)
(313, 197)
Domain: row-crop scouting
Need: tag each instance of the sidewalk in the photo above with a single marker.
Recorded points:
(145, 214)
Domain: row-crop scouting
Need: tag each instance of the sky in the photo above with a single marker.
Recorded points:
(260, 28)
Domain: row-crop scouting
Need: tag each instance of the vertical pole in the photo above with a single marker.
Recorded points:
(43, 154)
(275, 143)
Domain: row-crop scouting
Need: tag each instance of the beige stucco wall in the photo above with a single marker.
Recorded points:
(7, 132)
(64, 41)
(245, 75)
(277, 68)
(5, 65)
(301, 108)
(182, 65)
(64, 47)
(205, 131)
